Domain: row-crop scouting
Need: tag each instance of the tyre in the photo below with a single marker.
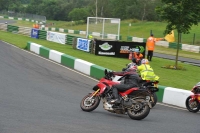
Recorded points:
(192, 105)
(139, 111)
(88, 104)
(155, 100)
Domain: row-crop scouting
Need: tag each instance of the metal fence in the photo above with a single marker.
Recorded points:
(191, 38)
(24, 15)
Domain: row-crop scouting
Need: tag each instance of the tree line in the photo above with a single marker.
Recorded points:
(73, 10)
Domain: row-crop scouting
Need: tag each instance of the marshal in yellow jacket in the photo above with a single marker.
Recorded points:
(146, 72)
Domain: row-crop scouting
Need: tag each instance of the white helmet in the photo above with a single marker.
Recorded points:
(145, 61)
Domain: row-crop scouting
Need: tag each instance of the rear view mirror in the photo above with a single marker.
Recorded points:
(105, 71)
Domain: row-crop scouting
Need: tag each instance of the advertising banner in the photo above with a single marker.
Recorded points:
(35, 33)
(117, 48)
(83, 44)
(56, 37)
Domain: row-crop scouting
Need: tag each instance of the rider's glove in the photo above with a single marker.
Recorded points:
(124, 69)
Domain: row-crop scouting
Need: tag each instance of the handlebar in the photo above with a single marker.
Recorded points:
(107, 75)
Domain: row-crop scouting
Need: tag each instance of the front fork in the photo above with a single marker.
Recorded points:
(94, 93)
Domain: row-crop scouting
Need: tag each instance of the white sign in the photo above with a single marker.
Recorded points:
(116, 21)
(56, 37)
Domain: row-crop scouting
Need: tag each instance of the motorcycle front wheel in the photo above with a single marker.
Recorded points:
(89, 103)
(192, 105)
(139, 111)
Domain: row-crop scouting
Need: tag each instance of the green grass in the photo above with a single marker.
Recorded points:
(174, 78)
(138, 29)
(24, 23)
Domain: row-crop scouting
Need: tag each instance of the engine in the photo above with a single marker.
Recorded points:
(107, 106)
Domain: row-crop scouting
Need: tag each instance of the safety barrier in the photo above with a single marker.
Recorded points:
(70, 38)
(95, 34)
(3, 26)
(24, 30)
(174, 45)
(162, 43)
(42, 34)
(185, 47)
(190, 48)
(11, 28)
(15, 18)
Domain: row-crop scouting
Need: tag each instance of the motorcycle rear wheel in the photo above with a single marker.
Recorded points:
(192, 106)
(140, 111)
(155, 100)
(88, 104)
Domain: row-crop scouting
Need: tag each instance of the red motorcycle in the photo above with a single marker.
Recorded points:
(193, 101)
(135, 102)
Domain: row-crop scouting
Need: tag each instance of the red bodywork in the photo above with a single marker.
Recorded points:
(195, 95)
(102, 86)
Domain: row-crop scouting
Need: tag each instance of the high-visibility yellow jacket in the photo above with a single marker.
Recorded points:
(90, 36)
(146, 72)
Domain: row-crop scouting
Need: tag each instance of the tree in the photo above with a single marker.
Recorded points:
(79, 14)
(13, 5)
(119, 8)
(180, 15)
(25, 1)
(34, 7)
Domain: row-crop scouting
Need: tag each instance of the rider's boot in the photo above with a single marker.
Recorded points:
(115, 101)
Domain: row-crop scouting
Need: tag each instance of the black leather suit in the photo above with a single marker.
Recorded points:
(131, 80)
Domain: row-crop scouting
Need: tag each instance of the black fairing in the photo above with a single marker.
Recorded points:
(153, 89)
(150, 86)
(197, 90)
(95, 88)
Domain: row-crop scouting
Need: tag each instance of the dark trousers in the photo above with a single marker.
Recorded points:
(149, 55)
(121, 87)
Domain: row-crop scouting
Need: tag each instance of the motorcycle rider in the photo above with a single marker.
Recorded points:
(146, 71)
(131, 80)
(132, 64)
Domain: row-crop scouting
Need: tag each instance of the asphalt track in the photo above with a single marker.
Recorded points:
(8, 21)
(40, 96)
(194, 62)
